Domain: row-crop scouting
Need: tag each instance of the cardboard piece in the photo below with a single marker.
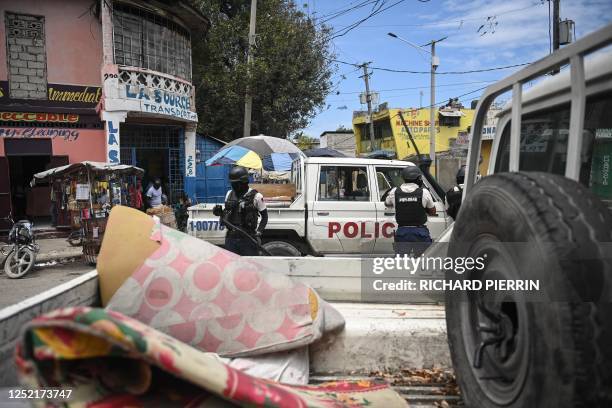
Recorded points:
(127, 244)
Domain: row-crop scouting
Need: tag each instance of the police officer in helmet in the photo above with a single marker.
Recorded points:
(412, 204)
(454, 195)
(243, 207)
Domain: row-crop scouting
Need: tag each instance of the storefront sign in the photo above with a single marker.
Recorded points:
(87, 95)
(80, 98)
(161, 102)
(488, 132)
(69, 135)
(39, 117)
(112, 142)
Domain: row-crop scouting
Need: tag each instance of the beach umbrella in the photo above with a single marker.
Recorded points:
(323, 152)
(236, 155)
(266, 145)
(279, 161)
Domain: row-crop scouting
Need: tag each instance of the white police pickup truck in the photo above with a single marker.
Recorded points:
(338, 208)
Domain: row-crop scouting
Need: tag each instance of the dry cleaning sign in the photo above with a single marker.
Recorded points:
(162, 102)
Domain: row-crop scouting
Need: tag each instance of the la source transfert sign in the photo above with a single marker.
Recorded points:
(161, 102)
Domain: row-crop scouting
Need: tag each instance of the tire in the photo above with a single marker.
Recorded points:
(558, 352)
(25, 262)
(281, 248)
(75, 240)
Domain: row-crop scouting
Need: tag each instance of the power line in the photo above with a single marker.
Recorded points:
(458, 21)
(341, 12)
(421, 87)
(375, 12)
(450, 72)
(437, 72)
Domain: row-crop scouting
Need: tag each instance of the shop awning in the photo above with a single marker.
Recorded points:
(454, 114)
(96, 167)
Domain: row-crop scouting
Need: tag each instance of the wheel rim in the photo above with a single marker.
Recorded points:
(22, 263)
(504, 363)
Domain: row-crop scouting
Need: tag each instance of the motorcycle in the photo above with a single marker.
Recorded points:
(75, 238)
(21, 249)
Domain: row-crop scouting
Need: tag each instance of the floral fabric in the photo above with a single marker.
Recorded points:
(219, 302)
(110, 360)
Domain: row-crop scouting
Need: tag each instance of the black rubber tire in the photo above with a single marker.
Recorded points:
(281, 248)
(562, 351)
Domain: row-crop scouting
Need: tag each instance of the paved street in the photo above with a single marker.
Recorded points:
(42, 277)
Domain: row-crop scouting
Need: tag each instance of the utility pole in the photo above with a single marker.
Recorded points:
(555, 24)
(555, 29)
(435, 61)
(248, 100)
(432, 106)
(369, 102)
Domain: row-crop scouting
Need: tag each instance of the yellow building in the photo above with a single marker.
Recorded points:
(452, 123)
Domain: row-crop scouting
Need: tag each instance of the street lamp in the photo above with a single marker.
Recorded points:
(435, 61)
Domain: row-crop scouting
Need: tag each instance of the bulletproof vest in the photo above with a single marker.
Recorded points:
(409, 210)
(242, 211)
(453, 199)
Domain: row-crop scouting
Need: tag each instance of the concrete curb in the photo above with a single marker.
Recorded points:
(383, 337)
(73, 253)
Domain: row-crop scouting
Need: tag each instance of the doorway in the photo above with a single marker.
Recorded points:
(159, 151)
(29, 202)
(27, 157)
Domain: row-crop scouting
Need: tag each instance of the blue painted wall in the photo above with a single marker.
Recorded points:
(211, 182)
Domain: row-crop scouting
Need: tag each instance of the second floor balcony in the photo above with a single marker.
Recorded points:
(151, 55)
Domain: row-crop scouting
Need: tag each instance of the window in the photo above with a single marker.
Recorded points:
(544, 137)
(450, 121)
(296, 176)
(146, 40)
(388, 177)
(343, 184)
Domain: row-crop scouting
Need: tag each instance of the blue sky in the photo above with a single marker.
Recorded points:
(515, 32)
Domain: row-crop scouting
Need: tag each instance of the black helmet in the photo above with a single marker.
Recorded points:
(411, 174)
(238, 174)
(461, 175)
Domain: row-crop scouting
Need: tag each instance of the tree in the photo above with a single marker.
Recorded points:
(304, 142)
(289, 78)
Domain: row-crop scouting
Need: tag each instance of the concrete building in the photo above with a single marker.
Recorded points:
(106, 80)
(340, 140)
(452, 123)
(148, 97)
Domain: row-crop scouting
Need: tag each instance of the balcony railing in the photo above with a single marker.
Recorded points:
(141, 77)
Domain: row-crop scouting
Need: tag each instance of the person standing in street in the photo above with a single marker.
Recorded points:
(154, 193)
(243, 207)
(412, 204)
(454, 195)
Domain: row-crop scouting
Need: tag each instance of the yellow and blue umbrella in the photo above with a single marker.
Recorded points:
(236, 155)
(279, 161)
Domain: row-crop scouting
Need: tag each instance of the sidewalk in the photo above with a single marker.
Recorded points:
(56, 249)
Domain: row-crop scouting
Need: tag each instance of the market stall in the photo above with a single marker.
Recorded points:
(88, 190)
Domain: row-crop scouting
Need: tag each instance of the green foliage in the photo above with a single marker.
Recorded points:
(304, 142)
(289, 77)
